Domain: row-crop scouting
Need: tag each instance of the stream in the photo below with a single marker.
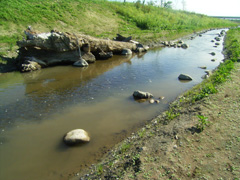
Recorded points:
(38, 108)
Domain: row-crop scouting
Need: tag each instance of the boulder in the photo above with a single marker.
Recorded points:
(184, 77)
(80, 63)
(76, 136)
(142, 95)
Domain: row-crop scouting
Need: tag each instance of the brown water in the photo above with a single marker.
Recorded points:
(38, 108)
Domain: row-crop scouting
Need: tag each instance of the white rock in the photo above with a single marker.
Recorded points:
(76, 136)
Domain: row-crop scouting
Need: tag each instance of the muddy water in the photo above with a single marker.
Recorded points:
(38, 108)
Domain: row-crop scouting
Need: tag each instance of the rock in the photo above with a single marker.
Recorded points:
(213, 60)
(157, 101)
(80, 63)
(104, 55)
(126, 51)
(76, 136)
(203, 67)
(212, 41)
(161, 97)
(217, 43)
(184, 77)
(151, 101)
(86, 48)
(89, 57)
(185, 46)
(180, 42)
(142, 95)
(208, 72)
(122, 38)
(217, 39)
(213, 53)
(30, 66)
(62, 42)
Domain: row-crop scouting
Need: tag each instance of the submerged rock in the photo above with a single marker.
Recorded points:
(184, 77)
(76, 136)
(203, 67)
(142, 95)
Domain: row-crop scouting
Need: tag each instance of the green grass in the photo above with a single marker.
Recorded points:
(98, 18)
(232, 50)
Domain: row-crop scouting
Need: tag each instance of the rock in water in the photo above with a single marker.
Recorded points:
(81, 63)
(142, 95)
(126, 51)
(151, 101)
(185, 46)
(184, 77)
(76, 136)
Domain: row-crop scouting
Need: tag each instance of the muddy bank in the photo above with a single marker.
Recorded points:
(170, 147)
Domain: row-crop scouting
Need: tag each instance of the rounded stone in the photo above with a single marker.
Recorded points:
(184, 77)
(76, 136)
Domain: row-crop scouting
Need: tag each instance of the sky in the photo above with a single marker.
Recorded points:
(207, 7)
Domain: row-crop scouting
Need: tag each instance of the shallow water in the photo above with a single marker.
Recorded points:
(38, 108)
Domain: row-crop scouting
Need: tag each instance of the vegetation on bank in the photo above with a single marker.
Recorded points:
(99, 18)
(232, 53)
(164, 152)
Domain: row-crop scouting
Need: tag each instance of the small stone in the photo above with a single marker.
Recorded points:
(203, 67)
(81, 63)
(126, 51)
(161, 97)
(142, 95)
(175, 146)
(157, 101)
(184, 77)
(185, 46)
(151, 101)
(213, 53)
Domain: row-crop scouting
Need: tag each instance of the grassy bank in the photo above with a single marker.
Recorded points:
(97, 18)
(197, 138)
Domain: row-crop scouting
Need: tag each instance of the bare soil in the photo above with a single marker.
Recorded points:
(171, 147)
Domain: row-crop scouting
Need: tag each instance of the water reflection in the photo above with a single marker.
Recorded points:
(42, 106)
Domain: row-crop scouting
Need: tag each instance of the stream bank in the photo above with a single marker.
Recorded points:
(171, 146)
